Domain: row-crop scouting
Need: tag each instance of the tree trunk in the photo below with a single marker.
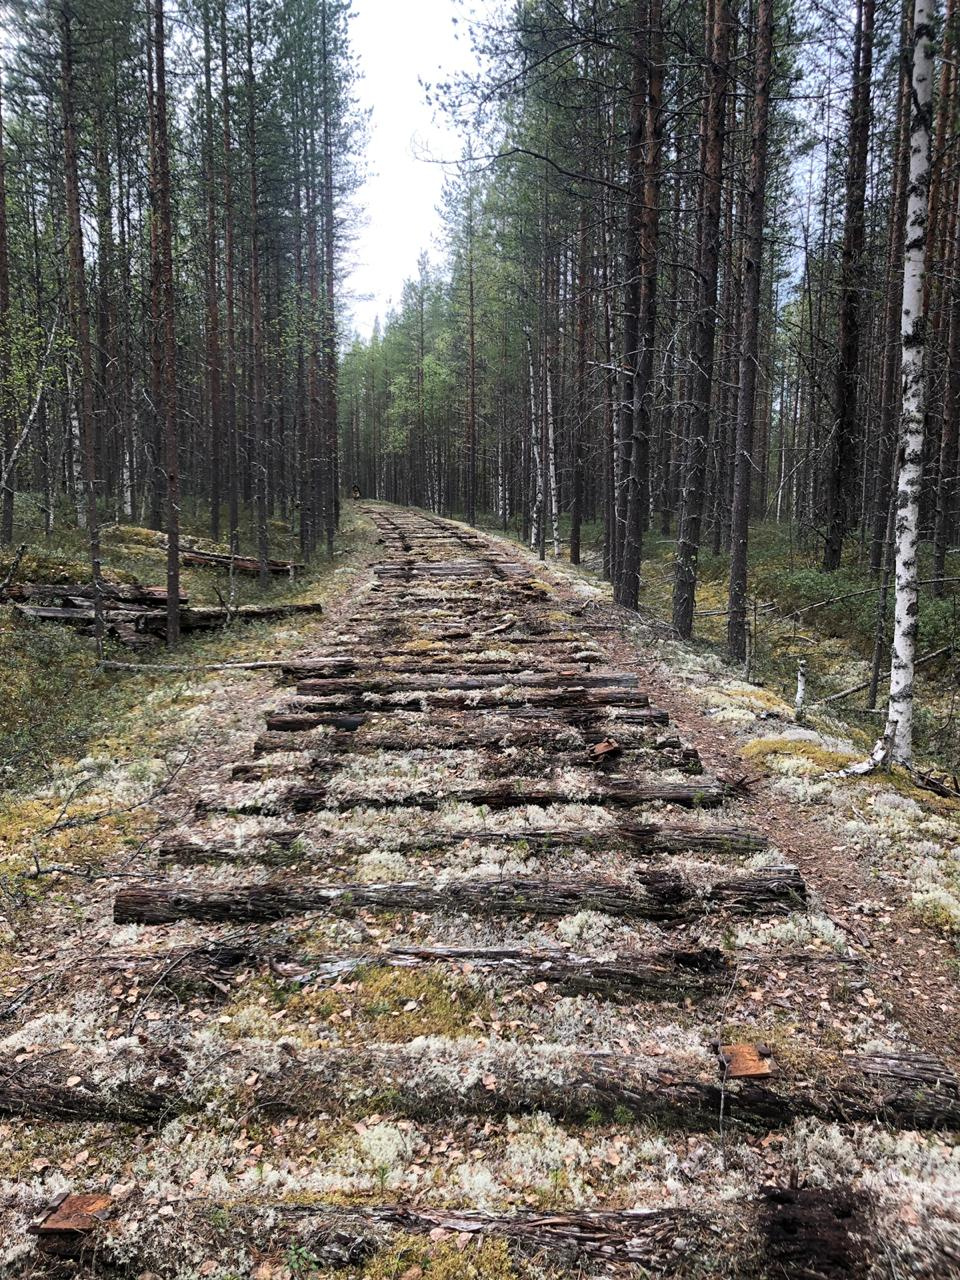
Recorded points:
(330, 356)
(214, 388)
(703, 341)
(749, 353)
(230, 364)
(627, 553)
(842, 455)
(78, 299)
(907, 530)
(171, 435)
(7, 426)
(950, 417)
(638, 495)
(256, 320)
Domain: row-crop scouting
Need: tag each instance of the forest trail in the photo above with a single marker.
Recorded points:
(469, 966)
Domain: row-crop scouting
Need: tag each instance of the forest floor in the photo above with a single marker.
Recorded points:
(796, 612)
(426, 974)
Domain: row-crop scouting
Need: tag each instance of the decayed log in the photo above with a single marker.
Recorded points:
(373, 654)
(452, 1078)
(295, 722)
(616, 792)
(36, 1087)
(241, 564)
(324, 758)
(432, 665)
(540, 748)
(128, 593)
(180, 850)
(650, 838)
(271, 849)
(657, 975)
(425, 736)
(335, 686)
(153, 620)
(655, 895)
(85, 615)
(522, 724)
(806, 1235)
(546, 843)
(572, 696)
(206, 617)
(377, 661)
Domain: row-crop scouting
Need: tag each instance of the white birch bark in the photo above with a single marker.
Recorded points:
(552, 468)
(76, 457)
(900, 713)
(128, 453)
(535, 459)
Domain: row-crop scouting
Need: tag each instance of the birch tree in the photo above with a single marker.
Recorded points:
(912, 330)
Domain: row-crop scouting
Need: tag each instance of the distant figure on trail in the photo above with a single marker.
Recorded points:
(355, 491)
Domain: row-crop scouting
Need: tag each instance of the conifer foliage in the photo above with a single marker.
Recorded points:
(671, 305)
(175, 203)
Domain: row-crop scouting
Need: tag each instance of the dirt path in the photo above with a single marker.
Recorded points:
(454, 959)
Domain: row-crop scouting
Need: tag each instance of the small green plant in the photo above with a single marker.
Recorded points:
(300, 1261)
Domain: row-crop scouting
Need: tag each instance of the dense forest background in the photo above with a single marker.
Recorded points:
(667, 320)
(171, 231)
(672, 307)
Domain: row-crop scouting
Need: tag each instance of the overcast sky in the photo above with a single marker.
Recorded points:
(399, 42)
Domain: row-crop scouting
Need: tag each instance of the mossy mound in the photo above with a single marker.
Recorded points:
(415, 1257)
(820, 758)
(386, 1004)
(56, 567)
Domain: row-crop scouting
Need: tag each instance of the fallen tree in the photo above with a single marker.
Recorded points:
(643, 839)
(673, 974)
(574, 696)
(334, 686)
(829, 1234)
(129, 620)
(621, 793)
(438, 1079)
(239, 564)
(649, 837)
(540, 747)
(654, 895)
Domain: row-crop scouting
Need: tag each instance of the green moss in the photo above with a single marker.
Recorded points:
(938, 909)
(763, 749)
(383, 1003)
(414, 1257)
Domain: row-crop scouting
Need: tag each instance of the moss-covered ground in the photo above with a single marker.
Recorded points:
(289, 1094)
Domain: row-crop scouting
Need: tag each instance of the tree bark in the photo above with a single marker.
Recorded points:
(638, 495)
(628, 555)
(214, 370)
(7, 425)
(750, 350)
(78, 297)
(167, 296)
(256, 319)
(911, 1092)
(913, 410)
(841, 467)
(652, 895)
(703, 341)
